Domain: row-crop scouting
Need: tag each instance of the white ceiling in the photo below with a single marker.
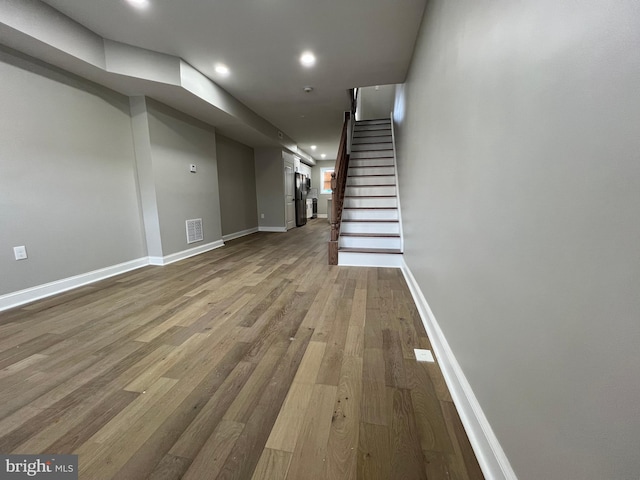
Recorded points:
(356, 43)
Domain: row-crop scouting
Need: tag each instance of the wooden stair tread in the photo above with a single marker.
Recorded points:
(373, 220)
(373, 166)
(374, 175)
(375, 235)
(363, 176)
(375, 185)
(369, 196)
(370, 250)
(381, 150)
(369, 208)
(385, 129)
(357, 144)
(369, 166)
(376, 142)
(380, 133)
(372, 136)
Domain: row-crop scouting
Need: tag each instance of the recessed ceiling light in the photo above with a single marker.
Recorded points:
(307, 59)
(139, 3)
(222, 69)
(323, 155)
(313, 147)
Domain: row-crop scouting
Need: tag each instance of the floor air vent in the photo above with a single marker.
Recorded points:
(194, 230)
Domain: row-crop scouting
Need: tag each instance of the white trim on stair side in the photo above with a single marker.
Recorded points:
(395, 167)
(491, 457)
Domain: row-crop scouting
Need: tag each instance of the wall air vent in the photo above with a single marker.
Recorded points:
(194, 230)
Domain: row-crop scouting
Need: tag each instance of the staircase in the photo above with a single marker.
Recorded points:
(370, 233)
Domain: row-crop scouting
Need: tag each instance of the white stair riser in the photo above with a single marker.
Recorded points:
(371, 154)
(388, 260)
(369, 162)
(370, 227)
(375, 180)
(370, 202)
(373, 121)
(352, 191)
(365, 135)
(369, 242)
(375, 127)
(371, 146)
(369, 214)
(368, 140)
(365, 128)
(356, 172)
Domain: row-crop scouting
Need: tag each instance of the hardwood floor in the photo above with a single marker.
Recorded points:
(254, 361)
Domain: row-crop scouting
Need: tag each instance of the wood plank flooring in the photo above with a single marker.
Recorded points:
(254, 361)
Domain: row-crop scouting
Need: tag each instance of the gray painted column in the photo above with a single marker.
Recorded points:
(146, 181)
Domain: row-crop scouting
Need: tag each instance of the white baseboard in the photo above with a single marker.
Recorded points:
(322, 215)
(15, 299)
(174, 257)
(239, 234)
(272, 229)
(38, 292)
(491, 457)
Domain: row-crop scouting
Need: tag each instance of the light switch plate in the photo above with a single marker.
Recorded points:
(20, 252)
(423, 355)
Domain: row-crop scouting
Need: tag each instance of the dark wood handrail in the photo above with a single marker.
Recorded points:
(338, 184)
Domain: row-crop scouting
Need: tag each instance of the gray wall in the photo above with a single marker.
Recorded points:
(237, 179)
(316, 182)
(270, 186)
(519, 169)
(67, 176)
(177, 141)
(375, 102)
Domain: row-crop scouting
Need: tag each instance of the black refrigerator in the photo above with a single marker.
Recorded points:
(301, 199)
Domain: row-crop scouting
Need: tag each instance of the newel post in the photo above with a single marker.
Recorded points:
(333, 242)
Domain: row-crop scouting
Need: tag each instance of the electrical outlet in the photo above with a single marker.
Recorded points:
(20, 252)
(262, 215)
(423, 355)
